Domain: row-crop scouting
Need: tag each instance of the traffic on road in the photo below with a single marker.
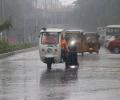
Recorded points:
(59, 49)
(24, 77)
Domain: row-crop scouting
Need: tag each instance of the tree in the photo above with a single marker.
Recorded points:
(5, 25)
(93, 13)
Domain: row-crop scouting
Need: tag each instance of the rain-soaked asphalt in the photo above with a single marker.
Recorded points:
(24, 77)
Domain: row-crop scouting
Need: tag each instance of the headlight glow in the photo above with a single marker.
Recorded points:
(72, 42)
(72, 66)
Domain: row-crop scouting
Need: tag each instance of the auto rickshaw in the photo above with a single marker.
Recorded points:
(49, 46)
(85, 42)
(74, 37)
(90, 42)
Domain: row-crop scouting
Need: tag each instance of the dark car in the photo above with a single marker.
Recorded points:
(114, 45)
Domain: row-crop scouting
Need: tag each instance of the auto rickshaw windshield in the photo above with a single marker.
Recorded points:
(71, 36)
(50, 38)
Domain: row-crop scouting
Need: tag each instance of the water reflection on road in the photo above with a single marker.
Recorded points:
(24, 77)
(55, 84)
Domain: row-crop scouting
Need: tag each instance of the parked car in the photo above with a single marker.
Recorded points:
(114, 45)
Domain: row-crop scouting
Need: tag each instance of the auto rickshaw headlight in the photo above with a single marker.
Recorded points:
(72, 42)
(73, 67)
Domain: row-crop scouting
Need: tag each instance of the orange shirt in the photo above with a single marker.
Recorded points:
(63, 44)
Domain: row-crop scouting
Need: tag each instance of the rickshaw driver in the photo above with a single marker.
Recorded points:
(64, 48)
(68, 52)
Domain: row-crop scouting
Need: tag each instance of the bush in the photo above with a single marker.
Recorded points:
(4, 46)
(7, 47)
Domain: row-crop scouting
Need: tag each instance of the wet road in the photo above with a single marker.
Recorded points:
(24, 77)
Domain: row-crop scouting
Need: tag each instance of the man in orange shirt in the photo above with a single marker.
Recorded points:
(64, 48)
(68, 54)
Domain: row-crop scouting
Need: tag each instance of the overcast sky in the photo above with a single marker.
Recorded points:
(67, 2)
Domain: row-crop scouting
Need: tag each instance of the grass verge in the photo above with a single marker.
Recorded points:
(6, 47)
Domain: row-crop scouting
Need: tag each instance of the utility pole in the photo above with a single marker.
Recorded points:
(45, 5)
(45, 11)
(51, 6)
(24, 29)
(55, 6)
(24, 26)
(36, 21)
(36, 17)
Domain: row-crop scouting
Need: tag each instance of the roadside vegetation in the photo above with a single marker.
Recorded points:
(6, 47)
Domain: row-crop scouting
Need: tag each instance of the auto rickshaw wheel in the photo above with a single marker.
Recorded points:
(66, 65)
(49, 66)
(97, 52)
(82, 53)
(116, 50)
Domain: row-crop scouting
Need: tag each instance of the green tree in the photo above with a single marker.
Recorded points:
(5, 25)
(93, 13)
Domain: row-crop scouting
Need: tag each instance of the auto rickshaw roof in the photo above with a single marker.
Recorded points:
(74, 30)
(52, 30)
(90, 33)
(113, 26)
